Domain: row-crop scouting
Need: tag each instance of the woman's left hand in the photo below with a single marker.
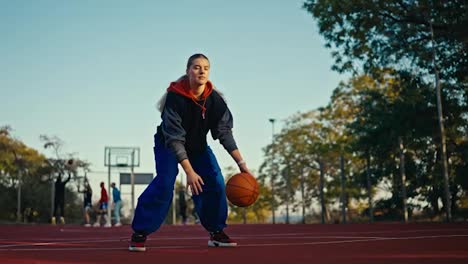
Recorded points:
(243, 168)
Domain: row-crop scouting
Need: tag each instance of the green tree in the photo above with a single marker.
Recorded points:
(426, 38)
(20, 168)
(398, 106)
(25, 170)
(396, 34)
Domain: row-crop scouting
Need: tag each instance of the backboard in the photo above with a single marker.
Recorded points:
(122, 156)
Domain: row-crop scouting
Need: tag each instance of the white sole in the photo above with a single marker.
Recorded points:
(136, 249)
(212, 243)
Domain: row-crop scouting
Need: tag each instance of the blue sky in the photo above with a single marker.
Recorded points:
(91, 72)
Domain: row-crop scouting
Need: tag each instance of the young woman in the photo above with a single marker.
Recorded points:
(190, 108)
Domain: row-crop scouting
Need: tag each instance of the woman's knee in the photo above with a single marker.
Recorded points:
(159, 194)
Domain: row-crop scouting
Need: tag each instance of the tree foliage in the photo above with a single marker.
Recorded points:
(395, 34)
(25, 166)
(393, 48)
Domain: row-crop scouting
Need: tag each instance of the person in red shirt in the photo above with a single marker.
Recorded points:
(103, 205)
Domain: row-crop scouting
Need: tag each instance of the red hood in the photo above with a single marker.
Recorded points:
(182, 87)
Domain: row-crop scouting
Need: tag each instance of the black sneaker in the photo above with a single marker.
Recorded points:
(220, 239)
(138, 243)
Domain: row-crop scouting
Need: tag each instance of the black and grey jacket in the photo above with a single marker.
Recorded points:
(183, 128)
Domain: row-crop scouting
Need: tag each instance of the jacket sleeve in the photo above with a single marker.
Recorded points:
(171, 127)
(223, 131)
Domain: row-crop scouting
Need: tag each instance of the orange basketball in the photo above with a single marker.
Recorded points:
(242, 189)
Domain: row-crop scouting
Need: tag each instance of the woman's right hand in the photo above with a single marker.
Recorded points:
(195, 182)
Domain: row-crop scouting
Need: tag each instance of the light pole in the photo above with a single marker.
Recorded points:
(443, 145)
(272, 121)
(18, 200)
(19, 164)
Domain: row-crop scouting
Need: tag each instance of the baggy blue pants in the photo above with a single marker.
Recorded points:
(153, 203)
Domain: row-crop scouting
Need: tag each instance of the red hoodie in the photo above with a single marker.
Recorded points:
(182, 87)
(104, 198)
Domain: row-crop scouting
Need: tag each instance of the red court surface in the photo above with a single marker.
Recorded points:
(344, 244)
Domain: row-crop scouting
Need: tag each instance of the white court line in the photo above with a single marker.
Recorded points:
(90, 239)
(362, 232)
(99, 239)
(89, 230)
(69, 241)
(59, 242)
(100, 248)
(289, 234)
(245, 245)
(351, 241)
(314, 233)
(408, 231)
(260, 236)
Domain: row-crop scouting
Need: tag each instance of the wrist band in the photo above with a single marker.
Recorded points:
(240, 162)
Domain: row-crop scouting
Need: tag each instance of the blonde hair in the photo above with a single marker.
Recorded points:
(162, 101)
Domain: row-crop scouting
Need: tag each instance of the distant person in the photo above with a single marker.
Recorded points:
(103, 207)
(189, 110)
(87, 202)
(29, 215)
(117, 204)
(195, 215)
(59, 199)
(182, 205)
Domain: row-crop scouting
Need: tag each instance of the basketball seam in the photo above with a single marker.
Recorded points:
(251, 196)
(251, 184)
(240, 187)
(243, 196)
(249, 181)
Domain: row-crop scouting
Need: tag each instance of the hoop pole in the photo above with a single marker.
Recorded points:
(108, 188)
(132, 181)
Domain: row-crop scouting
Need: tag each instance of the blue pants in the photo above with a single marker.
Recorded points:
(117, 207)
(153, 203)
